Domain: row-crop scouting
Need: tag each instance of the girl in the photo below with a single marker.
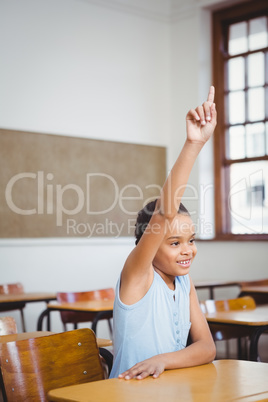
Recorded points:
(156, 303)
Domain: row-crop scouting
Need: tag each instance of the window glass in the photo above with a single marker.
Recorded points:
(238, 42)
(236, 107)
(256, 109)
(236, 142)
(236, 73)
(248, 203)
(255, 139)
(256, 75)
(257, 33)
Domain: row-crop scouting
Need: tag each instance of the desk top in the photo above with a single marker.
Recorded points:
(214, 284)
(27, 297)
(93, 306)
(255, 289)
(220, 381)
(251, 317)
(23, 335)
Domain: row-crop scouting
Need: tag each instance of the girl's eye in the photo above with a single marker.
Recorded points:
(192, 241)
(175, 243)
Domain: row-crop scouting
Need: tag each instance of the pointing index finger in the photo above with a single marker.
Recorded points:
(211, 94)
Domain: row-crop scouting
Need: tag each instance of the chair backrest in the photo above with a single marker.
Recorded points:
(73, 317)
(11, 288)
(8, 326)
(32, 367)
(240, 303)
(260, 282)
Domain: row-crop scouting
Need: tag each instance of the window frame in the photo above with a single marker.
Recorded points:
(221, 21)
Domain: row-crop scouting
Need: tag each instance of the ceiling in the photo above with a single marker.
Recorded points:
(163, 10)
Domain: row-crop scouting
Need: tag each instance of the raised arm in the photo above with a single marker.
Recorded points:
(137, 274)
(200, 125)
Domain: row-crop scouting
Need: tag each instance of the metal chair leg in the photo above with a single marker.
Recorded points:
(22, 320)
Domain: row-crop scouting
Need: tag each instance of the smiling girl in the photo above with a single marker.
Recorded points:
(156, 305)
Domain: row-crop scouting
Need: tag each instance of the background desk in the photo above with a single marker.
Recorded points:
(219, 381)
(259, 293)
(100, 307)
(8, 300)
(211, 285)
(251, 322)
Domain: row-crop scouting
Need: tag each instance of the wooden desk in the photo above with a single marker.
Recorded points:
(252, 323)
(220, 381)
(7, 301)
(29, 297)
(23, 335)
(101, 307)
(210, 285)
(103, 343)
(259, 293)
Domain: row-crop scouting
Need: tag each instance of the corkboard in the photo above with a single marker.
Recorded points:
(60, 186)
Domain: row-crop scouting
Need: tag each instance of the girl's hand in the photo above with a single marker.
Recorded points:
(201, 122)
(153, 366)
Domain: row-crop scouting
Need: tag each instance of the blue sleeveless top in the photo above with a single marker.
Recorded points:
(158, 323)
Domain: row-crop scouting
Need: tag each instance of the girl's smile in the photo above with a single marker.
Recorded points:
(185, 263)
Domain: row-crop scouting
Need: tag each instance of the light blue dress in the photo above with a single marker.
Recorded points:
(158, 323)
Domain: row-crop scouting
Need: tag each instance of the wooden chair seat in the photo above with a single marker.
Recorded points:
(14, 288)
(78, 317)
(32, 367)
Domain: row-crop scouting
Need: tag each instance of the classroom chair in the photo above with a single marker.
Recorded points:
(260, 297)
(32, 367)
(14, 288)
(8, 326)
(259, 282)
(78, 317)
(225, 333)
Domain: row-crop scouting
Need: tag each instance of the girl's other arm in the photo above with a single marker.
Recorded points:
(201, 351)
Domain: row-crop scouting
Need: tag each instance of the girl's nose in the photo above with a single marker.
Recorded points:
(186, 250)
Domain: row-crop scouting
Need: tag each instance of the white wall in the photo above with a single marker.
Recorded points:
(70, 67)
(59, 265)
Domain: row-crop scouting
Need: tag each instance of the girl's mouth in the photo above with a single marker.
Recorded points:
(185, 263)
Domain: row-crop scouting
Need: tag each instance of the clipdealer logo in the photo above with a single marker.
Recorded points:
(50, 199)
(47, 192)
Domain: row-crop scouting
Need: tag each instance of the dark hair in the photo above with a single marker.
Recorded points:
(145, 214)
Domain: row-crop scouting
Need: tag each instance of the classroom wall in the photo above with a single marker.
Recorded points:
(71, 67)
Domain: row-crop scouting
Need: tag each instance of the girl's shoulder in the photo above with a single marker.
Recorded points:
(184, 282)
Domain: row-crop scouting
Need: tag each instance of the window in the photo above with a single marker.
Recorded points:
(240, 64)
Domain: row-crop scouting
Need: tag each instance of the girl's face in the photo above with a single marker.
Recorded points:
(177, 251)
